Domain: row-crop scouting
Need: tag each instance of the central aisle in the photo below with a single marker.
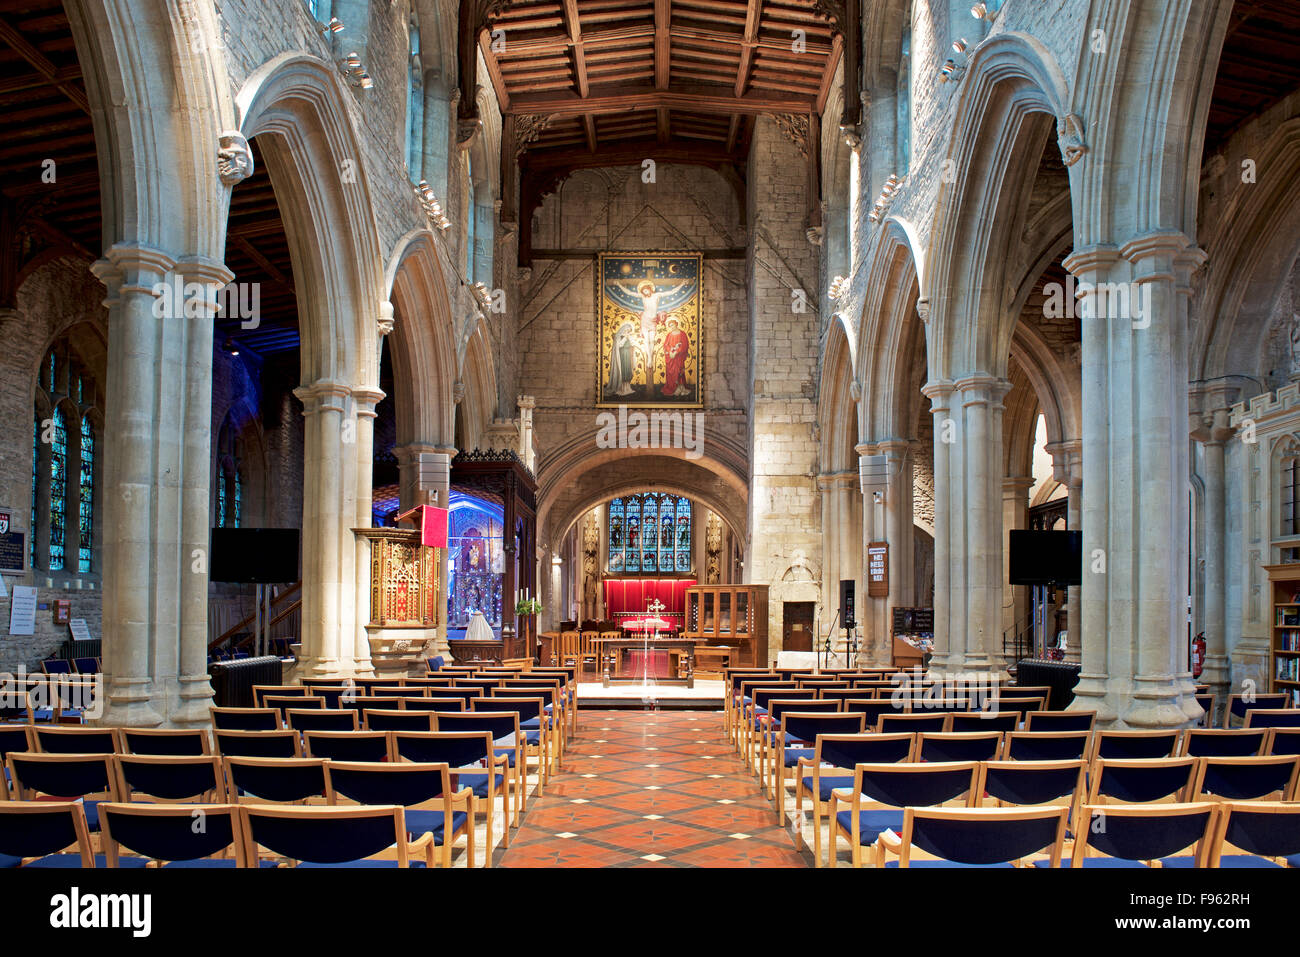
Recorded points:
(651, 788)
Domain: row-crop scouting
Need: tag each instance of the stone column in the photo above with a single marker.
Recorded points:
(1136, 467)
(156, 479)
(977, 557)
(1067, 468)
(326, 529)
(1015, 514)
(949, 621)
(1212, 429)
(526, 405)
(898, 533)
(365, 401)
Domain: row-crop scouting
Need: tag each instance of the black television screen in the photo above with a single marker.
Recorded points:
(1046, 558)
(258, 555)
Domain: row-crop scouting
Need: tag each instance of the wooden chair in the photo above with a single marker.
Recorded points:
(1047, 746)
(170, 779)
(348, 745)
(1134, 744)
(40, 833)
(1141, 780)
(1267, 778)
(166, 835)
(832, 766)
(975, 837)
(1239, 704)
(1223, 743)
(959, 746)
(277, 781)
(246, 719)
(501, 725)
(1060, 720)
(460, 751)
(432, 808)
(90, 777)
(322, 719)
(1136, 835)
(1272, 718)
(880, 792)
(1283, 741)
(165, 741)
(796, 739)
(258, 744)
(76, 740)
(280, 691)
(1257, 834)
(332, 836)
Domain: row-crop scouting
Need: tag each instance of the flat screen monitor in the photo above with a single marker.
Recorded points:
(1046, 558)
(264, 556)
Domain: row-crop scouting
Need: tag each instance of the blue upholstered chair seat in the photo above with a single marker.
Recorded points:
(431, 822)
(479, 783)
(928, 863)
(530, 724)
(792, 756)
(508, 752)
(366, 863)
(872, 823)
(1091, 862)
(827, 785)
(1234, 861)
(6, 861)
(1293, 860)
(74, 861)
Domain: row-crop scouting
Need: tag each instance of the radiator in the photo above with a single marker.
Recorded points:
(232, 681)
(1060, 676)
(92, 648)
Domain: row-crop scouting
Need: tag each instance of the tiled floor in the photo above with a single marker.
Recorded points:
(651, 789)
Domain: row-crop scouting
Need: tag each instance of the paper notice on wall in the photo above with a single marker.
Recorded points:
(22, 611)
(79, 630)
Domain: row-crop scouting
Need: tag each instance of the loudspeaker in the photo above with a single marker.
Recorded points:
(846, 603)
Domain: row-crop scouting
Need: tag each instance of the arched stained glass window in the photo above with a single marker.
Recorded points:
(86, 496)
(650, 533)
(58, 490)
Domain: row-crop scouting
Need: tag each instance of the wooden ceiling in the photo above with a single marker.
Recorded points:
(1258, 67)
(586, 83)
(46, 119)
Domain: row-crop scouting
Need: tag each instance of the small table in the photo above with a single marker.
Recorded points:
(612, 648)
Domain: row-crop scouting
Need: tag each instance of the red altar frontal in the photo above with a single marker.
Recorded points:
(627, 601)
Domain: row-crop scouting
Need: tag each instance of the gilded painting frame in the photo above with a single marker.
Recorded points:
(650, 305)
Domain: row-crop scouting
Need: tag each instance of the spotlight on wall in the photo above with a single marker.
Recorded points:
(556, 561)
(959, 46)
(356, 73)
(985, 11)
(838, 286)
(231, 347)
(334, 26)
(432, 208)
(887, 192)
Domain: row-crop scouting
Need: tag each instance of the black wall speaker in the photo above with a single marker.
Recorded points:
(846, 603)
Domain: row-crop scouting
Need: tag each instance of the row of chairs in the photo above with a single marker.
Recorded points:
(246, 771)
(793, 745)
(41, 833)
(1182, 835)
(873, 809)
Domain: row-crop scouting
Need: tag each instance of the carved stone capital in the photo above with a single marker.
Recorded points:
(385, 320)
(234, 158)
(1069, 136)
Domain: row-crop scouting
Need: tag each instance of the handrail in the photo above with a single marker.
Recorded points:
(244, 623)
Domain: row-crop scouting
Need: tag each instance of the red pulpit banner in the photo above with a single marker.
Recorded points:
(433, 526)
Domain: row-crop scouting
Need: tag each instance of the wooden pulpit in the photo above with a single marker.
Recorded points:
(405, 600)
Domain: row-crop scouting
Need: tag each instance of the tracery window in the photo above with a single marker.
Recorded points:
(649, 533)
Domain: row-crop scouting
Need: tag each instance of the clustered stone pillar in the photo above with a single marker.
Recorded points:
(156, 485)
(1015, 514)
(1067, 468)
(968, 523)
(1135, 465)
(333, 456)
(1213, 431)
(841, 517)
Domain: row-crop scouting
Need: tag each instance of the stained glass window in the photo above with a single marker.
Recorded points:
(239, 495)
(221, 498)
(650, 533)
(86, 500)
(36, 484)
(58, 490)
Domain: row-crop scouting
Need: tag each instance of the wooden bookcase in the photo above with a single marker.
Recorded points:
(732, 615)
(1284, 636)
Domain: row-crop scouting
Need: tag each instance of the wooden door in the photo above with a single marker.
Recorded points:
(797, 626)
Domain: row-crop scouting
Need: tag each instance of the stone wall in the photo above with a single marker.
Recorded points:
(785, 542)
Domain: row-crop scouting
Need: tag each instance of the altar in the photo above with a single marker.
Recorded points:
(627, 659)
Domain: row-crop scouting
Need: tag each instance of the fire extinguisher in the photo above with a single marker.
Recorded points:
(1198, 654)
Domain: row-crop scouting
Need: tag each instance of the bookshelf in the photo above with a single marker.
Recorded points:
(1284, 639)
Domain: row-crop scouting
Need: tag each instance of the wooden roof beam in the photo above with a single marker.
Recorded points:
(574, 28)
(661, 124)
(44, 67)
(589, 129)
(698, 98)
(663, 43)
(753, 13)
